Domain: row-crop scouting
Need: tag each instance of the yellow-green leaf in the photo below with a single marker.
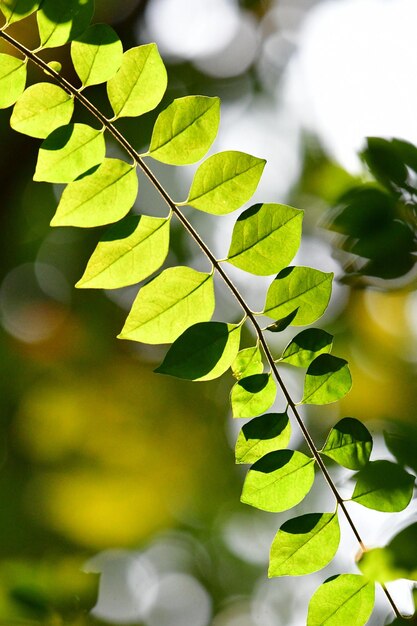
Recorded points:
(41, 109)
(349, 443)
(12, 79)
(247, 362)
(383, 486)
(306, 346)
(327, 380)
(59, 21)
(16, 10)
(253, 395)
(96, 54)
(344, 600)
(261, 435)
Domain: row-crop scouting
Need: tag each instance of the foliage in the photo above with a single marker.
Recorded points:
(176, 305)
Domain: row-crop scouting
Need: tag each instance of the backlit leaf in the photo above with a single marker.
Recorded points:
(265, 238)
(253, 395)
(299, 287)
(327, 380)
(349, 443)
(15, 10)
(185, 130)
(304, 544)
(42, 108)
(225, 181)
(96, 54)
(203, 352)
(397, 560)
(347, 599)
(68, 152)
(130, 251)
(283, 323)
(383, 486)
(140, 83)
(60, 21)
(164, 308)
(306, 346)
(12, 79)
(247, 362)
(278, 481)
(261, 435)
(103, 197)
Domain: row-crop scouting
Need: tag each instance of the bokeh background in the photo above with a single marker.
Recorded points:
(118, 490)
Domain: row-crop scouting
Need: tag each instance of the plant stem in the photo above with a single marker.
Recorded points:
(69, 88)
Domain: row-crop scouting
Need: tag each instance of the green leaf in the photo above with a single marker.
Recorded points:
(103, 197)
(247, 362)
(403, 447)
(16, 10)
(349, 443)
(302, 287)
(261, 435)
(304, 545)
(253, 395)
(397, 560)
(203, 352)
(164, 308)
(283, 323)
(327, 380)
(68, 152)
(383, 486)
(96, 54)
(41, 109)
(347, 599)
(185, 130)
(13, 74)
(140, 83)
(265, 238)
(130, 251)
(224, 182)
(59, 21)
(278, 481)
(306, 346)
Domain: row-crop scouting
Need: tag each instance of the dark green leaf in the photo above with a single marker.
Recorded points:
(383, 486)
(344, 600)
(349, 443)
(306, 346)
(261, 435)
(403, 447)
(283, 323)
(385, 162)
(327, 380)
(253, 395)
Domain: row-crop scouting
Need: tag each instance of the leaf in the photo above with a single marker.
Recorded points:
(103, 197)
(306, 346)
(96, 54)
(41, 109)
(164, 308)
(283, 323)
(140, 83)
(347, 599)
(278, 481)
(59, 21)
(397, 560)
(265, 238)
(383, 486)
(304, 545)
(349, 443)
(247, 362)
(224, 182)
(203, 352)
(327, 380)
(302, 287)
(16, 10)
(253, 395)
(130, 251)
(385, 162)
(261, 435)
(185, 130)
(13, 74)
(403, 447)
(68, 152)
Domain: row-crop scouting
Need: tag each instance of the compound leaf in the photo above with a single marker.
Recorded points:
(278, 481)
(96, 54)
(247, 362)
(130, 251)
(164, 308)
(68, 152)
(349, 443)
(327, 380)
(203, 352)
(16, 10)
(383, 486)
(140, 83)
(185, 130)
(224, 182)
(13, 75)
(253, 395)
(103, 197)
(265, 238)
(261, 435)
(299, 287)
(306, 346)
(59, 21)
(41, 109)
(341, 600)
(304, 545)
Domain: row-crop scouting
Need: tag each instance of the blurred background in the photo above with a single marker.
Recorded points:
(118, 489)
